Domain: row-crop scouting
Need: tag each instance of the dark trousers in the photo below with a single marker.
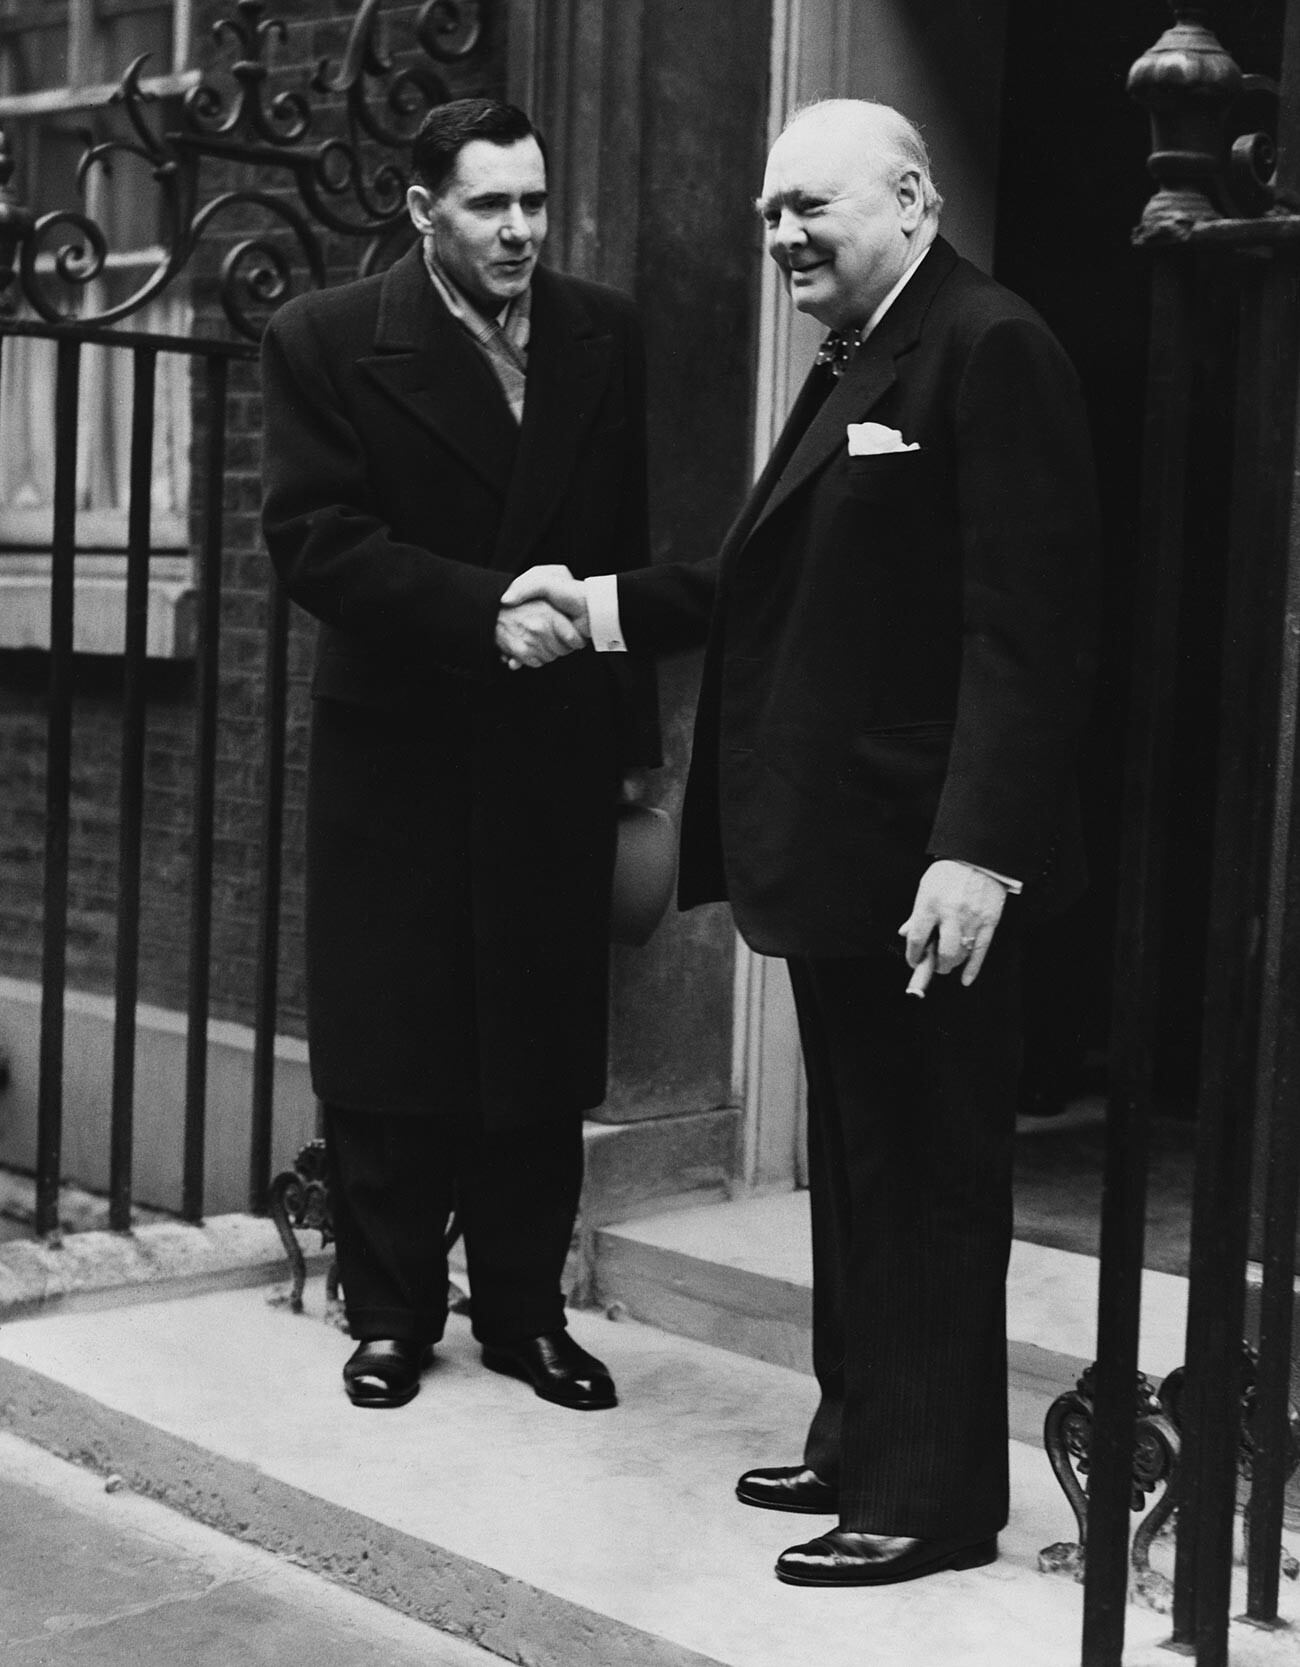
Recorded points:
(911, 1112)
(393, 1182)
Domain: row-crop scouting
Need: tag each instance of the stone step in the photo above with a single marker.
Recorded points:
(738, 1276)
(609, 1539)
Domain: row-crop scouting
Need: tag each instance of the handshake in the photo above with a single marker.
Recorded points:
(543, 617)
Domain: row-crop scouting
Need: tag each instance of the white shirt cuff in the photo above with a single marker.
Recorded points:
(601, 592)
(1015, 887)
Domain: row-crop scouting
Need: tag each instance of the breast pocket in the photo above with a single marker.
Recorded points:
(885, 477)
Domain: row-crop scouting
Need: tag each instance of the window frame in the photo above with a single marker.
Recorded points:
(25, 562)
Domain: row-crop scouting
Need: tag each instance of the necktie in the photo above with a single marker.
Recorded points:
(838, 349)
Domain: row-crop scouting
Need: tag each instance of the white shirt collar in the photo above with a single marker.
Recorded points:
(893, 295)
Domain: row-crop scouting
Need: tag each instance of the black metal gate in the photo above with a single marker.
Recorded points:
(329, 193)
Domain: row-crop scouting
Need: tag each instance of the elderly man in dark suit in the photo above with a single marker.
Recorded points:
(429, 432)
(898, 660)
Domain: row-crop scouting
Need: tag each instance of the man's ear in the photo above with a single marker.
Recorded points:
(419, 205)
(911, 199)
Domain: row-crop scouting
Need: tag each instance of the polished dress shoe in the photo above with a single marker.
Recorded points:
(844, 1558)
(788, 1488)
(557, 1368)
(385, 1371)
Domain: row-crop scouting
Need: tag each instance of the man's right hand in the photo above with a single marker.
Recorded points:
(555, 585)
(533, 633)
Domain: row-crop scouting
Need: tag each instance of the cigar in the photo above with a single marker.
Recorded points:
(920, 979)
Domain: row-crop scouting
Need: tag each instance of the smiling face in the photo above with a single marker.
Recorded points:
(488, 222)
(841, 216)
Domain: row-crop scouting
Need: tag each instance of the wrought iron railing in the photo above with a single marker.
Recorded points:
(337, 148)
(1224, 1420)
(328, 162)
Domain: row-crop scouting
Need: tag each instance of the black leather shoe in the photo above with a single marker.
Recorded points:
(557, 1368)
(788, 1488)
(385, 1371)
(844, 1558)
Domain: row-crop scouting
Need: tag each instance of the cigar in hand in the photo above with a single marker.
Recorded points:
(919, 982)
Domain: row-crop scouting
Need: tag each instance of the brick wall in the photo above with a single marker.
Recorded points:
(316, 29)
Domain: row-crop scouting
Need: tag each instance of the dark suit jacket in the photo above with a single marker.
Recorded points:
(900, 653)
(460, 817)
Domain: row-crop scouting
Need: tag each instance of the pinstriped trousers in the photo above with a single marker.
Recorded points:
(911, 1111)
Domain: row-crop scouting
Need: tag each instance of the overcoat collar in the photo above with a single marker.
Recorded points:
(429, 365)
(869, 376)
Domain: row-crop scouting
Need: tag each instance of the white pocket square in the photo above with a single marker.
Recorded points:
(868, 439)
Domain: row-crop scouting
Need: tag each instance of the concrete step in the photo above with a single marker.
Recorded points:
(738, 1276)
(560, 1540)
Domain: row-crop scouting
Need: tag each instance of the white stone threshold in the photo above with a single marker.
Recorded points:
(739, 1276)
(552, 1538)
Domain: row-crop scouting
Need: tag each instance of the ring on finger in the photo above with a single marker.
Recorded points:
(968, 943)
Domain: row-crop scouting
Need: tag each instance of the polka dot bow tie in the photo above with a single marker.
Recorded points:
(838, 349)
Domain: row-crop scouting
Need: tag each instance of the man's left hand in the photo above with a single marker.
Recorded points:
(964, 905)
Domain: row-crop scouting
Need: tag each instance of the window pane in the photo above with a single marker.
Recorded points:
(103, 440)
(121, 40)
(116, 32)
(127, 206)
(38, 58)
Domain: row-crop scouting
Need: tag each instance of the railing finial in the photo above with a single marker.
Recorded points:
(1187, 81)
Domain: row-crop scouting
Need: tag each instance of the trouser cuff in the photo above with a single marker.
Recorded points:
(402, 1324)
(514, 1328)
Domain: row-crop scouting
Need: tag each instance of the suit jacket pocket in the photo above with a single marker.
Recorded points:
(899, 770)
(889, 476)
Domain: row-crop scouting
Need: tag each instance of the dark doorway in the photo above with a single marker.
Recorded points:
(1072, 186)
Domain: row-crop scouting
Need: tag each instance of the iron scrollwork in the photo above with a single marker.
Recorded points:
(1157, 1454)
(298, 1199)
(449, 30)
(1067, 1435)
(351, 183)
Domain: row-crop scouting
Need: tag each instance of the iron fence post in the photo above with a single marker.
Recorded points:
(1137, 954)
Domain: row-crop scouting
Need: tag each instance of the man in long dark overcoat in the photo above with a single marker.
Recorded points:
(429, 433)
(899, 631)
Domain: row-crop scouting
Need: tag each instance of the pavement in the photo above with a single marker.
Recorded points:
(93, 1575)
(479, 1518)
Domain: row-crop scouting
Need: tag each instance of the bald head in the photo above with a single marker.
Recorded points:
(849, 205)
(876, 133)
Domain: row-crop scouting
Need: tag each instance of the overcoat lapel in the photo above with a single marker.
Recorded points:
(568, 367)
(427, 363)
(869, 376)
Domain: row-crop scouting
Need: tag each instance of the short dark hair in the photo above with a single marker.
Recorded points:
(448, 128)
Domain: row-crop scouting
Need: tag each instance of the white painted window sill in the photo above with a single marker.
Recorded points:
(99, 613)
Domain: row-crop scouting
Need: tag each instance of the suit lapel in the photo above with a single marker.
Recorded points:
(870, 375)
(805, 408)
(426, 362)
(568, 366)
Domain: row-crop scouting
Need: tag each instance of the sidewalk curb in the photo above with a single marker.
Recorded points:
(149, 1264)
(455, 1594)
